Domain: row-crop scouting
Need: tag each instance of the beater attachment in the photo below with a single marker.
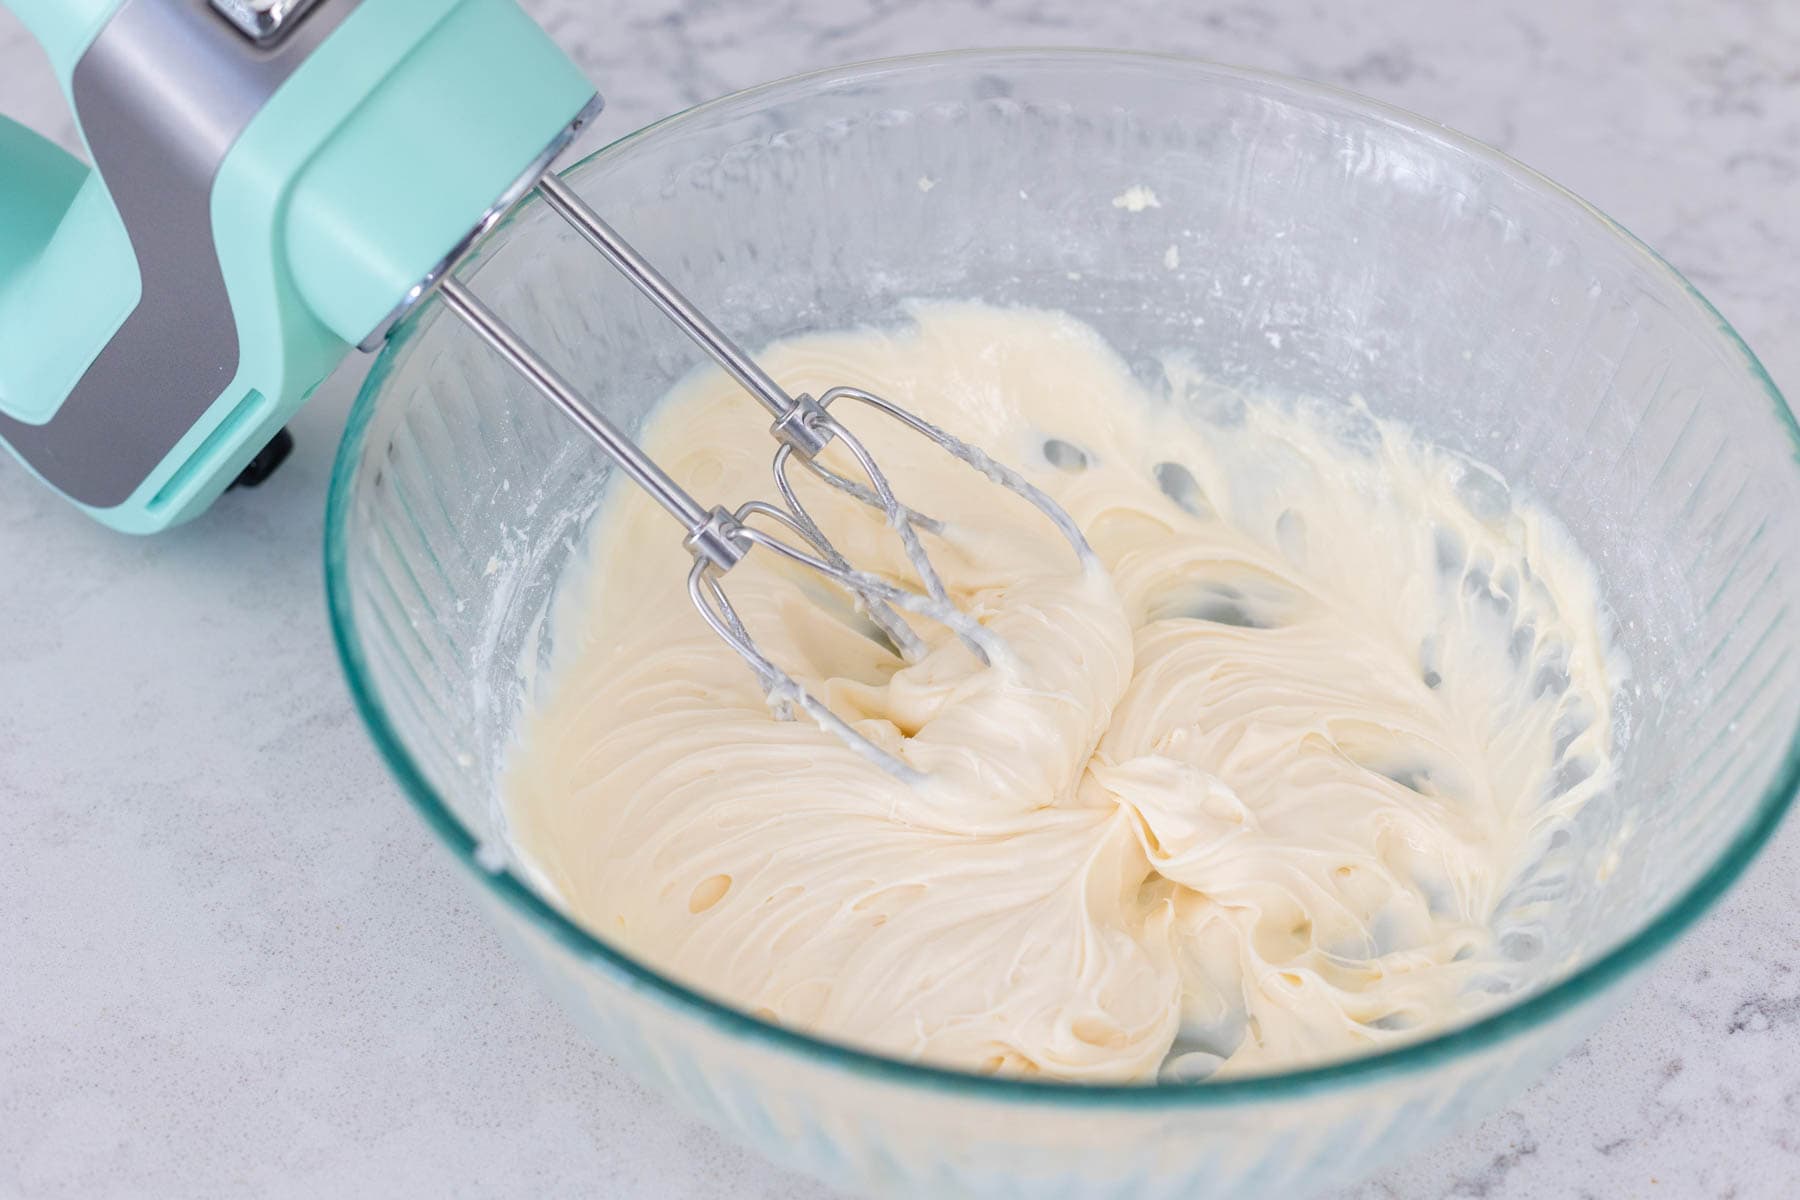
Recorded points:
(719, 538)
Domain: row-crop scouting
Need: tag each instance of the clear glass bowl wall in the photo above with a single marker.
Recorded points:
(1328, 247)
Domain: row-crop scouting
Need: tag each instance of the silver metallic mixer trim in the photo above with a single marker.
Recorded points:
(263, 21)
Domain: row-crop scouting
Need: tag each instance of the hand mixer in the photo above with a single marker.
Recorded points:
(277, 181)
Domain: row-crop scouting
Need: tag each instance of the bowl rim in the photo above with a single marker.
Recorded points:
(1484, 1032)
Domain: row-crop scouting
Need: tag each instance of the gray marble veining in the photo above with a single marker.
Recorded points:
(233, 963)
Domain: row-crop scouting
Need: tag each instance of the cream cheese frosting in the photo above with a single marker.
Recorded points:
(1249, 797)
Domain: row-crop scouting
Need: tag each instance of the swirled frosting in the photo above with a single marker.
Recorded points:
(1247, 798)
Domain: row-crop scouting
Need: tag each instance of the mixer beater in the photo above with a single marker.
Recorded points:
(719, 538)
(275, 182)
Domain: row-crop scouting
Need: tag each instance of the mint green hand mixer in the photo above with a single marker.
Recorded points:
(275, 182)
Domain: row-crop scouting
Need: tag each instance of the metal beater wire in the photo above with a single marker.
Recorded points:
(718, 538)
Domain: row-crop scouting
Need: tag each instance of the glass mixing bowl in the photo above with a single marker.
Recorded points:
(1328, 247)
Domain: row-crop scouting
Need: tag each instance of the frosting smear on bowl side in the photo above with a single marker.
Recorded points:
(1248, 798)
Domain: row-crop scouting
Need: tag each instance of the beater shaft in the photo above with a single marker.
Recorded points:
(710, 532)
(652, 283)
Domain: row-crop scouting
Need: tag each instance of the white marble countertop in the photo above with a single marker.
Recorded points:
(232, 962)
